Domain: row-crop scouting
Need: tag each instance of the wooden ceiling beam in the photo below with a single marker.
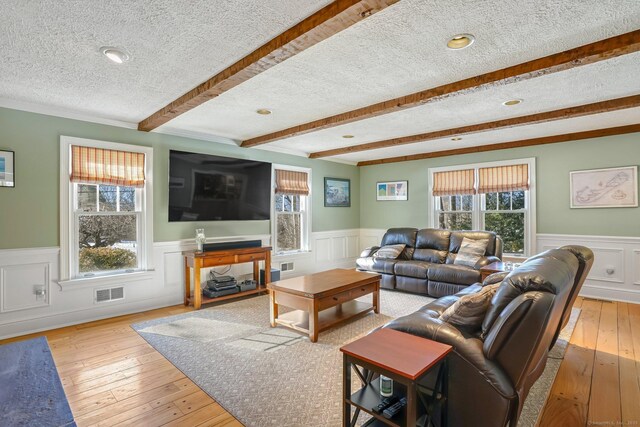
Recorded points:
(564, 113)
(620, 130)
(328, 21)
(583, 55)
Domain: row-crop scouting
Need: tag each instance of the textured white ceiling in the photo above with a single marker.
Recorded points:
(579, 86)
(578, 124)
(50, 48)
(402, 50)
(50, 57)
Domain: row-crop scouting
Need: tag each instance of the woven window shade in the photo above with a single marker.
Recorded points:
(503, 178)
(99, 166)
(450, 183)
(291, 182)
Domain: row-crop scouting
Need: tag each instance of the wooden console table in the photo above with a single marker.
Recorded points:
(199, 260)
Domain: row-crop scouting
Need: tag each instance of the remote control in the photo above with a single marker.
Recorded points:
(384, 404)
(392, 410)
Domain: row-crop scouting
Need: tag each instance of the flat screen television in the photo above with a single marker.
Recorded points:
(204, 187)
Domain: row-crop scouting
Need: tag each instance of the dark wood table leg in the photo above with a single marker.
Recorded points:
(313, 320)
(346, 391)
(273, 308)
(197, 291)
(187, 281)
(411, 403)
(376, 299)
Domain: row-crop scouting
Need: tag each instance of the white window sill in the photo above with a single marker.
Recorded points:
(296, 254)
(113, 279)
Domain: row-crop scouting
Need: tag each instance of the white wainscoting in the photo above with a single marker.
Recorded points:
(25, 271)
(615, 274)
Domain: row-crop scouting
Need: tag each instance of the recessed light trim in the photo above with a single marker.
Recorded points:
(263, 111)
(115, 54)
(460, 41)
(347, 136)
(512, 102)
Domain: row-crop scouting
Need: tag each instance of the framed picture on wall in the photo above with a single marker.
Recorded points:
(337, 192)
(605, 188)
(392, 190)
(7, 165)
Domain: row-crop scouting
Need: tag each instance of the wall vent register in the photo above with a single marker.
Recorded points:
(109, 294)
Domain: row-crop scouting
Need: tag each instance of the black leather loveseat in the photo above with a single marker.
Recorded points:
(427, 263)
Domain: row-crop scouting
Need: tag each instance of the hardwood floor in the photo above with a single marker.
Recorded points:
(113, 377)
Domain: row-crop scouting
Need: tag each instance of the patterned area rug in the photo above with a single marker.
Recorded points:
(275, 377)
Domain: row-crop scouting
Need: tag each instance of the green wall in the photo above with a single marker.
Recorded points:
(29, 213)
(553, 164)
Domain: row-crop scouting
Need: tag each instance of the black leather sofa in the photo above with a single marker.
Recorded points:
(493, 367)
(426, 265)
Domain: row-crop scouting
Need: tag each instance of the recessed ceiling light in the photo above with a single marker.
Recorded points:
(263, 111)
(460, 41)
(512, 102)
(457, 138)
(347, 136)
(115, 54)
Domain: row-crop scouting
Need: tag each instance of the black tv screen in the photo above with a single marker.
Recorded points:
(204, 187)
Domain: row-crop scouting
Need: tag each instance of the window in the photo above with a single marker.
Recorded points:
(494, 197)
(291, 210)
(106, 226)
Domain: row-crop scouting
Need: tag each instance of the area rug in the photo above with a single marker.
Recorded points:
(275, 377)
(31, 393)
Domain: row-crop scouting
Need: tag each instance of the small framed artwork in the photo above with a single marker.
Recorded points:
(605, 188)
(392, 190)
(337, 192)
(7, 164)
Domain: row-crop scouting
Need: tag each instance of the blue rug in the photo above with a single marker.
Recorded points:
(31, 393)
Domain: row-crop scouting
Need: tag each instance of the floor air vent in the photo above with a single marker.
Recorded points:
(286, 266)
(110, 294)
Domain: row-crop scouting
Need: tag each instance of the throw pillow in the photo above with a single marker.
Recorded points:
(389, 251)
(471, 251)
(469, 310)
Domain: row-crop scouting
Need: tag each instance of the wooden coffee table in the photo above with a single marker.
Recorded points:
(323, 299)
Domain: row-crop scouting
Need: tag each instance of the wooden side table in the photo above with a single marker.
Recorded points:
(406, 359)
(494, 267)
(200, 260)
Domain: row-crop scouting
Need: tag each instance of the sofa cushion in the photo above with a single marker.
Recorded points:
(471, 251)
(411, 284)
(389, 251)
(469, 310)
(456, 238)
(417, 269)
(432, 245)
(449, 273)
(405, 236)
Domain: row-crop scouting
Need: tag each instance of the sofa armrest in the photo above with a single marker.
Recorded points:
(468, 348)
(367, 252)
(486, 260)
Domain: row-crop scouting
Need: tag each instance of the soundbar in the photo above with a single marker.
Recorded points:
(241, 244)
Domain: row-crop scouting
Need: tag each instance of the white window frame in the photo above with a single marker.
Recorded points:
(69, 218)
(306, 217)
(476, 216)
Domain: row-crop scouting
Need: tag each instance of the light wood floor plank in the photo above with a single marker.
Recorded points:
(629, 384)
(604, 403)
